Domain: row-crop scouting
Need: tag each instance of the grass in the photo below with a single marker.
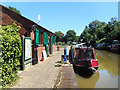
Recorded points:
(63, 62)
(61, 46)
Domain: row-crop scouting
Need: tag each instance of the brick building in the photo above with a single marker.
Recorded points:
(38, 34)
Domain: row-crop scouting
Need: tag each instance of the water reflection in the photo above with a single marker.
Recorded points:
(88, 82)
(107, 75)
(108, 61)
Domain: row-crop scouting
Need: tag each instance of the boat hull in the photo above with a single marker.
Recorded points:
(84, 71)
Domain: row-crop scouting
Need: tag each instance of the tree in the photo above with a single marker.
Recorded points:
(70, 36)
(14, 9)
(77, 39)
(113, 31)
(86, 36)
(60, 36)
(97, 32)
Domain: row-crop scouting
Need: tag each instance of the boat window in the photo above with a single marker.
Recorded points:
(87, 54)
(90, 54)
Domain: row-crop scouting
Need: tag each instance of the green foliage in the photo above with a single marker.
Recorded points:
(59, 35)
(68, 43)
(77, 39)
(14, 9)
(61, 43)
(1, 60)
(100, 32)
(61, 46)
(101, 40)
(70, 36)
(11, 52)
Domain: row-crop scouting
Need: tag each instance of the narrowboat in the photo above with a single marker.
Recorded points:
(83, 60)
(115, 47)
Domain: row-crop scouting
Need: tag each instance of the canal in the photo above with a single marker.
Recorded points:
(107, 75)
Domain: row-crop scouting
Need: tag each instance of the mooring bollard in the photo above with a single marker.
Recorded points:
(65, 54)
(57, 48)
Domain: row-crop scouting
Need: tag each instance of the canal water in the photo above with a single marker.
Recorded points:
(107, 75)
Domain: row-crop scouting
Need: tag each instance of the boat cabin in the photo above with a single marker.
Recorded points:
(84, 53)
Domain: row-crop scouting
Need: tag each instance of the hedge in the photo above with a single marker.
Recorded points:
(11, 47)
(1, 60)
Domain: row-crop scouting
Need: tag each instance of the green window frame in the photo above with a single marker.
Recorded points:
(36, 37)
(54, 39)
(45, 38)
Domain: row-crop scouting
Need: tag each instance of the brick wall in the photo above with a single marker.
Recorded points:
(53, 48)
(32, 35)
(39, 49)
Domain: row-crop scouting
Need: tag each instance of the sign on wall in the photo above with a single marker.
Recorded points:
(27, 48)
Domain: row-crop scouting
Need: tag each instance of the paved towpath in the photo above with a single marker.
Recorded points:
(41, 75)
(66, 77)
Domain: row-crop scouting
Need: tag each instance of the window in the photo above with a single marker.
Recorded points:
(87, 54)
(45, 38)
(36, 37)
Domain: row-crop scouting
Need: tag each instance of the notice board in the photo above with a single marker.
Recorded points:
(27, 48)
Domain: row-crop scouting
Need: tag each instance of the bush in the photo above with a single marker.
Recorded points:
(61, 43)
(11, 47)
(68, 43)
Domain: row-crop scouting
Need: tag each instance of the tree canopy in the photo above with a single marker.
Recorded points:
(70, 36)
(59, 35)
(77, 39)
(101, 32)
(14, 9)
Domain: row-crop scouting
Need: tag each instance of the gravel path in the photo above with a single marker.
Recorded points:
(41, 75)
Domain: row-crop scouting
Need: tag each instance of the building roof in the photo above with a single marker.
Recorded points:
(9, 16)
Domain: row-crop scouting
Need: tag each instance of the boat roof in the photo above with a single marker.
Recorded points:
(85, 48)
(81, 44)
(74, 43)
(78, 45)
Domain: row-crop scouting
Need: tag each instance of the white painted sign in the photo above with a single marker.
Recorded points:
(44, 54)
(27, 48)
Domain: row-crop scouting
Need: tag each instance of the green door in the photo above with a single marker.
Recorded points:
(45, 42)
(47, 50)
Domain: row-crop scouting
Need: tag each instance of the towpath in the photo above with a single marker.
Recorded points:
(41, 75)
(66, 77)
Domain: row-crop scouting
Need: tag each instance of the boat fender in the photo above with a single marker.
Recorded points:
(93, 69)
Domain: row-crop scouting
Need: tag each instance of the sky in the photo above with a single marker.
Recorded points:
(64, 16)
